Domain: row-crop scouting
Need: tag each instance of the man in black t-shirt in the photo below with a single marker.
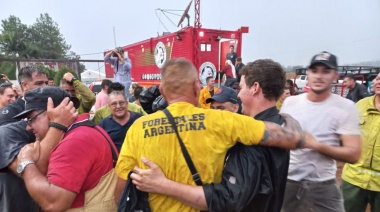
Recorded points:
(232, 55)
(356, 91)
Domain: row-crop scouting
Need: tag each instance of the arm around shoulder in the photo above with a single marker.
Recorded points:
(153, 180)
(289, 137)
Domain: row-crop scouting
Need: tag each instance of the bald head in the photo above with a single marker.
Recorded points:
(178, 77)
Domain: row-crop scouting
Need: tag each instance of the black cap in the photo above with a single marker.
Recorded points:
(325, 58)
(37, 99)
(224, 94)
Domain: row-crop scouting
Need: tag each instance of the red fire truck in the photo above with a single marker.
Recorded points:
(206, 48)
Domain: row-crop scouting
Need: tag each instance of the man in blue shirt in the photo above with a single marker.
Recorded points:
(122, 67)
(118, 123)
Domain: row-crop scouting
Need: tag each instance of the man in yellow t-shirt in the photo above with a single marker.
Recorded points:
(207, 92)
(205, 136)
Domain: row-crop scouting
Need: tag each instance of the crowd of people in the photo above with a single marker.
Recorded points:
(254, 144)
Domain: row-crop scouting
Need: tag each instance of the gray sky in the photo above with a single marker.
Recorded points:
(289, 32)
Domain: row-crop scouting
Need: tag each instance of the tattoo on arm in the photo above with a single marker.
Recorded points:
(273, 136)
(301, 142)
(265, 137)
(278, 136)
(298, 130)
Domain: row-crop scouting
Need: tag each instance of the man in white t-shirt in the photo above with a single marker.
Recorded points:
(333, 121)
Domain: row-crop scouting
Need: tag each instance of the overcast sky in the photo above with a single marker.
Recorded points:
(289, 32)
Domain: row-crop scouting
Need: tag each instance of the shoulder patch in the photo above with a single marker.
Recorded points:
(5, 111)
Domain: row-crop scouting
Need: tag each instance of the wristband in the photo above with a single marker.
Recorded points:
(58, 126)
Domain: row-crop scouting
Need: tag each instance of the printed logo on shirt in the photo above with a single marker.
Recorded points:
(184, 123)
(5, 111)
(160, 54)
(207, 69)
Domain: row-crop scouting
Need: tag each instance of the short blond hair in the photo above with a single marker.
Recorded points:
(177, 75)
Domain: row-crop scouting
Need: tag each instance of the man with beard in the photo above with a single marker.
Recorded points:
(333, 122)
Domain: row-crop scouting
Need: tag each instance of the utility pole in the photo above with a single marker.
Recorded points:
(114, 37)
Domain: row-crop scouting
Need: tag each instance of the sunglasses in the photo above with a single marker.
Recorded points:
(30, 120)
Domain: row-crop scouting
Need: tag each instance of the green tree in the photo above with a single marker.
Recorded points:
(46, 40)
(51, 72)
(9, 69)
(42, 40)
(13, 37)
(73, 56)
(59, 75)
